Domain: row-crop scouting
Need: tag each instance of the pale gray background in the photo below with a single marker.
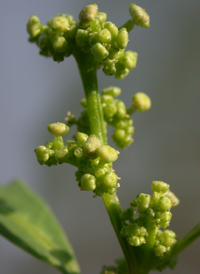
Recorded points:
(36, 91)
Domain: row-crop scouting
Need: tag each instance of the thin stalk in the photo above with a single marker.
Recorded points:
(88, 71)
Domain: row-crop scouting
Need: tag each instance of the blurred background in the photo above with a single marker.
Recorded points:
(36, 91)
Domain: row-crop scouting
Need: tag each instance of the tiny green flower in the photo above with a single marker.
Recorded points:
(139, 16)
(58, 128)
(141, 101)
(88, 182)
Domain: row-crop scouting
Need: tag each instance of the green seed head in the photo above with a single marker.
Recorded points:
(59, 24)
(42, 153)
(159, 186)
(58, 128)
(139, 16)
(141, 101)
(88, 14)
(88, 182)
(107, 154)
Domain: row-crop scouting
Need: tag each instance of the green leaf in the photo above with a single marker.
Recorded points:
(27, 221)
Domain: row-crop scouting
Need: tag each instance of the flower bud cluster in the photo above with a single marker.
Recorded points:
(93, 160)
(154, 213)
(92, 34)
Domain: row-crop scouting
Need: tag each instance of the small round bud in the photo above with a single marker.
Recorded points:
(121, 109)
(90, 147)
(88, 14)
(107, 99)
(101, 16)
(174, 199)
(95, 25)
(119, 134)
(88, 182)
(128, 213)
(33, 26)
(81, 137)
(78, 152)
(159, 186)
(112, 28)
(122, 38)
(99, 51)
(58, 128)
(112, 91)
(143, 202)
(139, 16)
(109, 110)
(133, 229)
(43, 41)
(141, 101)
(59, 24)
(129, 59)
(60, 44)
(42, 153)
(109, 67)
(104, 36)
(121, 73)
(82, 37)
(62, 155)
(165, 203)
(110, 179)
(84, 102)
(160, 250)
(165, 220)
(107, 154)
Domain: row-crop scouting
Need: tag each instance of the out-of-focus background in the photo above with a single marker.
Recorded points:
(36, 91)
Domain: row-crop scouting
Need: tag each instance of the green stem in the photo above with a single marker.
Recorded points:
(88, 71)
(129, 25)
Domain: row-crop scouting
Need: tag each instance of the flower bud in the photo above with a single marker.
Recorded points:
(139, 16)
(121, 109)
(59, 24)
(122, 38)
(88, 182)
(160, 250)
(58, 128)
(110, 179)
(174, 199)
(78, 152)
(165, 220)
(90, 146)
(95, 25)
(81, 137)
(109, 110)
(62, 155)
(141, 101)
(112, 28)
(121, 73)
(60, 44)
(42, 153)
(82, 37)
(99, 51)
(104, 36)
(129, 59)
(83, 102)
(43, 41)
(109, 67)
(143, 201)
(159, 186)
(165, 203)
(101, 16)
(88, 14)
(128, 213)
(33, 26)
(112, 91)
(107, 154)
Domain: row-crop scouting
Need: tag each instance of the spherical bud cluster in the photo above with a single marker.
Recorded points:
(141, 101)
(92, 34)
(56, 38)
(165, 240)
(93, 160)
(154, 213)
(139, 16)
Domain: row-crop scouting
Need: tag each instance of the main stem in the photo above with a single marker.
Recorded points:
(88, 71)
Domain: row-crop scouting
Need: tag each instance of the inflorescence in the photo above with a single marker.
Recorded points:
(115, 114)
(92, 34)
(154, 213)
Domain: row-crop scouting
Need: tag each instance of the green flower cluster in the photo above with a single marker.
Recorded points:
(154, 213)
(93, 160)
(92, 35)
(115, 114)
